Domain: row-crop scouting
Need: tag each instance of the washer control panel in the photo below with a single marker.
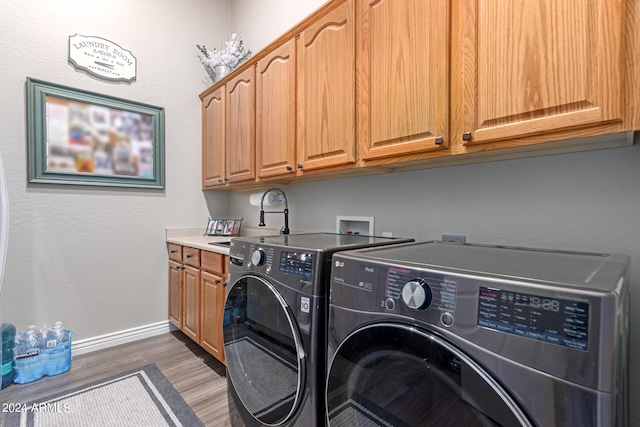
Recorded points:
(296, 268)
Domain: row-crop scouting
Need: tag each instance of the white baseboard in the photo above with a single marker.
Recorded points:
(121, 337)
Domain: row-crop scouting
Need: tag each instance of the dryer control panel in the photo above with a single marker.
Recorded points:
(421, 291)
(432, 297)
(542, 318)
(462, 302)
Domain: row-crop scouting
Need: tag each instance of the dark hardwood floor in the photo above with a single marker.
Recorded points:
(199, 377)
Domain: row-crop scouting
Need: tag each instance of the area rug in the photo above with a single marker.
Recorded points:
(142, 397)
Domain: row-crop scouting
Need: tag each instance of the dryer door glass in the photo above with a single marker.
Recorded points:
(396, 375)
(263, 349)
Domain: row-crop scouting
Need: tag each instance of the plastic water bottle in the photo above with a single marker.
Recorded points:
(56, 334)
(31, 339)
(8, 337)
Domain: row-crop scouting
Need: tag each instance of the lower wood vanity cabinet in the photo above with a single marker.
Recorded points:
(197, 281)
(213, 280)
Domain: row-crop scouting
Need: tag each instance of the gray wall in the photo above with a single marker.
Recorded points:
(586, 201)
(95, 258)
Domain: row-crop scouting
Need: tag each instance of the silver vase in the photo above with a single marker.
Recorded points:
(219, 71)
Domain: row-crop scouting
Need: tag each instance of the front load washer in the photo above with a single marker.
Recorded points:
(275, 325)
(446, 334)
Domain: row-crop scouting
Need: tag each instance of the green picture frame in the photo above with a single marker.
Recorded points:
(85, 138)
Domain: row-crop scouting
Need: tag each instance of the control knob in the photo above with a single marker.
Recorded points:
(257, 257)
(417, 294)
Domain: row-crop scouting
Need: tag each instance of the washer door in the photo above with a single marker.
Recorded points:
(263, 350)
(390, 374)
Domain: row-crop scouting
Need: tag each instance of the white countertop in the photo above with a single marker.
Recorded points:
(194, 238)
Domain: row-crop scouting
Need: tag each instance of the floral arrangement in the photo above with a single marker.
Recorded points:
(232, 55)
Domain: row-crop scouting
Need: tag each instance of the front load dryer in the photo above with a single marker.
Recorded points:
(445, 334)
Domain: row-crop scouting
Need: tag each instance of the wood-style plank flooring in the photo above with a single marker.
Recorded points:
(199, 377)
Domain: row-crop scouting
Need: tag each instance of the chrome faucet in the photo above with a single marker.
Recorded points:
(285, 230)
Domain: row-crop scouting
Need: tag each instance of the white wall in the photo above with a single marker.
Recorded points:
(260, 22)
(95, 258)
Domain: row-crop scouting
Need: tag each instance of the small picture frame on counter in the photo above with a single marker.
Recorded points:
(223, 227)
(211, 227)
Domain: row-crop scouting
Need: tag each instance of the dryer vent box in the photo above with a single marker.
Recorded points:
(355, 225)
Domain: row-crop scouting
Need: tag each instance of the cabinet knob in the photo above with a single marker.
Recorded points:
(173, 251)
(219, 179)
(289, 168)
(466, 136)
(217, 282)
(189, 256)
(299, 165)
(439, 140)
(226, 179)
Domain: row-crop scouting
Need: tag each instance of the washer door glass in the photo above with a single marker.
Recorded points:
(263, 350)
(396, 375)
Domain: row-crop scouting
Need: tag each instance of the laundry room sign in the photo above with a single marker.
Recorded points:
(102, 58)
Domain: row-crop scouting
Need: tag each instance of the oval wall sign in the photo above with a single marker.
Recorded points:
(102, 58)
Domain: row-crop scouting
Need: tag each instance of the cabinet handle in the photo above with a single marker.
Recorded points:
(189, 256)
(299, 165)
(224, 285)
(289, 168)
(178, 268)
(219, 179)
(226, 178)
(439, 140)
(173, 251)
(466, 136)
(217, 282)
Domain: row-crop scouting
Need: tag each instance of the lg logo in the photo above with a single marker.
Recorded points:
(339, 263)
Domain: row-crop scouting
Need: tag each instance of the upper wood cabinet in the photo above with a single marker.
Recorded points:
(389, 84)
(326, 91)
(534, 67)
(403, 76)
(213, 138)
(276, 112)
(241, 127)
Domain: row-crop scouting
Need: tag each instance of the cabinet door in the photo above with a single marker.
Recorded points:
(403, 76)
(191, 305)
(326, 91)
(213, 139)
(212, 298)
(175, 293)
(539, 66)
(275, 112)
(241, 127)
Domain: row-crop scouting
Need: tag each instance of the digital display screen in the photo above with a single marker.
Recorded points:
(552, 320)
(296, 263)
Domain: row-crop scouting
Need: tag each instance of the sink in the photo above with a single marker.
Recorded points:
(220, 243)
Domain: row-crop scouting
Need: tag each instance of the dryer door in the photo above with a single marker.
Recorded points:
(391, 374)
(263, 350)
